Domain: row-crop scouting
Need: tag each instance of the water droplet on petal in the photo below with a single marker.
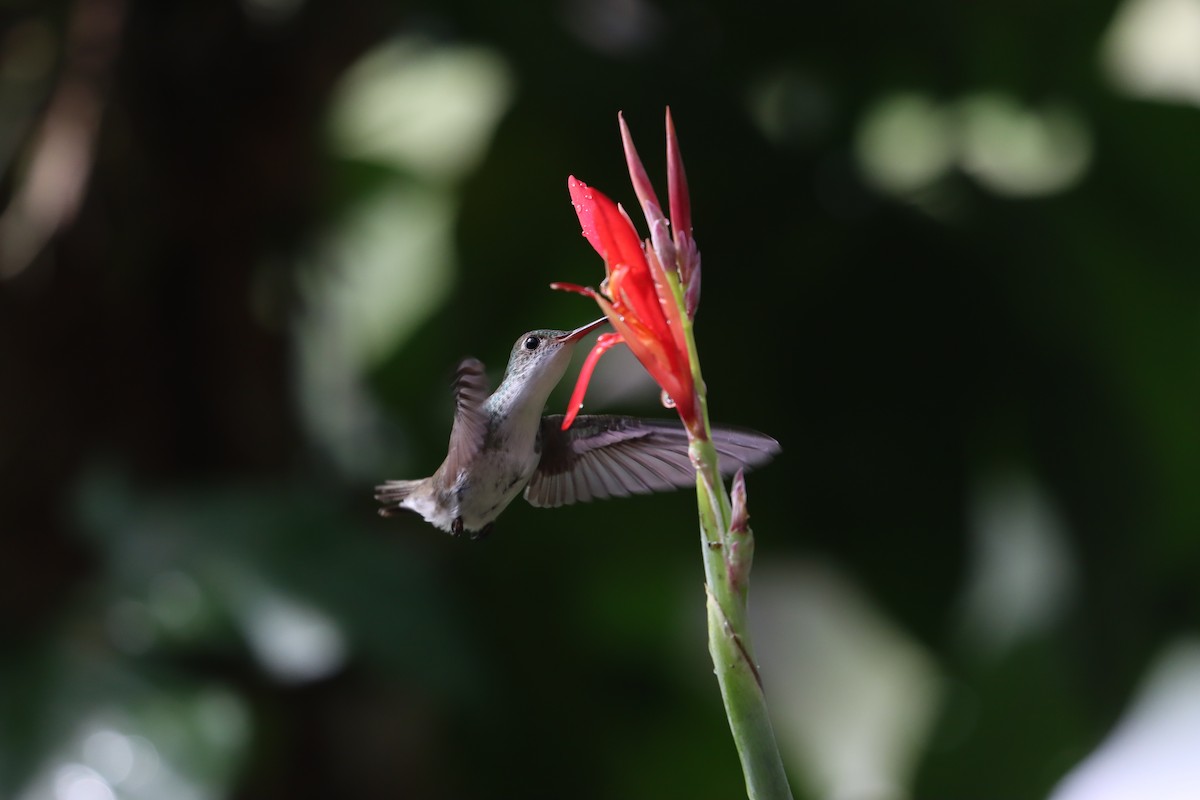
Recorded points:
(667, 400)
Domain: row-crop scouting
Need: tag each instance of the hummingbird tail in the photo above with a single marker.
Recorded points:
(392, 494)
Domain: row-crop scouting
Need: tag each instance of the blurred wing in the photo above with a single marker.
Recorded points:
(470, 422)
(613, 456)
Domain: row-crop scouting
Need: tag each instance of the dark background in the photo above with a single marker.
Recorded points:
(249, 317)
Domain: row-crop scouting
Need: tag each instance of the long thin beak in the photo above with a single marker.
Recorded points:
(579, 333)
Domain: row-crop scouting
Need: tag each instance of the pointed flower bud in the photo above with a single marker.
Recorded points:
(739, 550)
(741, 516)
(677, 190)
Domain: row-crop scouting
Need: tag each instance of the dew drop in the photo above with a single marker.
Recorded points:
(667, 400)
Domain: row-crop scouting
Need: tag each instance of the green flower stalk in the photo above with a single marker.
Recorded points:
(650, 295)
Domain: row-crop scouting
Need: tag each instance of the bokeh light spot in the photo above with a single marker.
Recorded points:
(77, 782)
(791, 107)
(905, 142)
(422, 108)
(174, 599)
(1152, 50)
(1152, 752)
(854, 696)
(293, 641)
(1022, 576)
(109, 753)
(1019, 151)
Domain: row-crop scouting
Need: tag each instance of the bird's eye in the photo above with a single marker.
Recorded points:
(532, 343)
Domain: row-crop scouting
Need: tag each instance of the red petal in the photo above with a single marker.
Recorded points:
(633, 287)
(582, 200)
(606, 227)
(574, 287)
(603, 343)
(668, 366)
(639, 303)
(672, 320)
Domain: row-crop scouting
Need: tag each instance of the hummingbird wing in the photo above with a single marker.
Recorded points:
(615, 456)
(470, 422)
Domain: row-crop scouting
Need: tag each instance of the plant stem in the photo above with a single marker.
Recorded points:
(728, 636)
(727, 557)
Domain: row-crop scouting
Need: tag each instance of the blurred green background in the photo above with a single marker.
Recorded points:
(950, 262)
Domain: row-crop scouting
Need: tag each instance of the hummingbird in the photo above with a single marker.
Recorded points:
(501, 445)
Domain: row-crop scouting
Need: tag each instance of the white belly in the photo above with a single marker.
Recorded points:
(477, 495)
(495, 481)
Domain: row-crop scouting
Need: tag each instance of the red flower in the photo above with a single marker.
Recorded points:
(636, 294)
